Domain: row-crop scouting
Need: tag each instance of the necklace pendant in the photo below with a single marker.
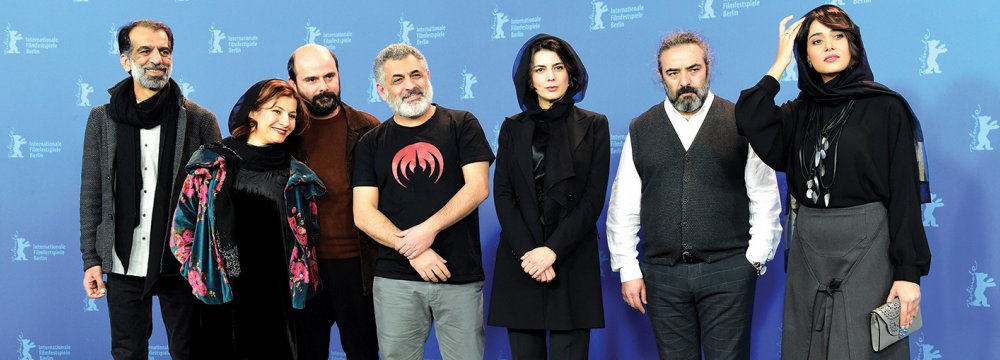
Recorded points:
(822, 170)
(816, 161)
(809, 184)
(822, 154)
(811, 195)
(826, 200)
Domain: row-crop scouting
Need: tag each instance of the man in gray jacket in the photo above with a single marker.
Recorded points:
(134, 151)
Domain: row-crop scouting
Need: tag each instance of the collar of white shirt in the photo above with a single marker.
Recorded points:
(685, 128)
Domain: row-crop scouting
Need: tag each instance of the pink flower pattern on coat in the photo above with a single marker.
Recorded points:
(181, 241)
(299, 228)
(188, 189)
(193, 235)
(197, 286)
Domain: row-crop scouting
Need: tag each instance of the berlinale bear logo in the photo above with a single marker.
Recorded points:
(405, 27)
(373, 96)
(982, 126)
(83, 91)
(499, 19)
(90, 305)
(468, 79)
(977, 291)
(216, 41)
(24, 347)
(13, 36)
(424, 154)
(312, 33)
(20, 245)
(596, 16)
(932, 49)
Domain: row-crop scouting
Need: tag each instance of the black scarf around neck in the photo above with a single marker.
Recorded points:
(240, 155)
(545, 119)
(856, 82)
(163, 109)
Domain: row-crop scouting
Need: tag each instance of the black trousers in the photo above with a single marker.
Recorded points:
(340, 302)
(697, 307)
(132, 318)
(563, 345)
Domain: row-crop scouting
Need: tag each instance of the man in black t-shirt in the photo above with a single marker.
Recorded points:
(419, 178)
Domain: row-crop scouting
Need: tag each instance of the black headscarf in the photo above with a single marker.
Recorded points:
(240, 155)
(527, 98)
(856, 82)
(161, 110)
(271, 157)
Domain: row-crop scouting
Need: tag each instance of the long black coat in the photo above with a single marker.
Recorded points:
(576, 180)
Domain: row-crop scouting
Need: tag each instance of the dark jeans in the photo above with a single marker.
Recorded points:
(132, 318)
(563, 345)
(340, 302)
(700, 306)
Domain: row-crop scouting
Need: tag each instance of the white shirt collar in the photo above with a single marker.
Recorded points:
(687, 129)
(700, 114)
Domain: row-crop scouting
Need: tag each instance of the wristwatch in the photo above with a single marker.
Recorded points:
(761, 268)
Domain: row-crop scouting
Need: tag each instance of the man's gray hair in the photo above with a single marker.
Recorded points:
(394, 52)
(683, 38)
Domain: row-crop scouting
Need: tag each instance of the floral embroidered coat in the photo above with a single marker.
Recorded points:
(194, 240)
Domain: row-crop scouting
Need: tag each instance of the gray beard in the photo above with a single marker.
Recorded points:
(139, 74)
(688, 105)
(415, 109)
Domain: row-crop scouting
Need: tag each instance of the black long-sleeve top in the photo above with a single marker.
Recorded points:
(875, 162)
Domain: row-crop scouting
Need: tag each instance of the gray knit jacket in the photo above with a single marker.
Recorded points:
(195, 126)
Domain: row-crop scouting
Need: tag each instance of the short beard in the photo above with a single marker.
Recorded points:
(416, 109)
(152, 83)
(316, 106)
(687, 104)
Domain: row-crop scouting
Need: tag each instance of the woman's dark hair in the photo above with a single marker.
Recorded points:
(553, 46)
(271, 91)
(836, 19)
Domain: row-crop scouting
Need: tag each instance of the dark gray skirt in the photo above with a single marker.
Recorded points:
(838, 271)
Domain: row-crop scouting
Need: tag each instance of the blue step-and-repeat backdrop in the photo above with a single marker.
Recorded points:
(59, 57)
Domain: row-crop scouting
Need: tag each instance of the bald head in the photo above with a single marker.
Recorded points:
(315, 73)
(311, 52)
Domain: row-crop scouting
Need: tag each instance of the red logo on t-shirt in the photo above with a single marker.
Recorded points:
(422, 153)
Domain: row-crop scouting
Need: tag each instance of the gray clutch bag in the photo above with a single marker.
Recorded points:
(885, 325)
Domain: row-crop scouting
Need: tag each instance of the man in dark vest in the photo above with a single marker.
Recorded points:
(346, 258)
(134, 153)
(709, 209)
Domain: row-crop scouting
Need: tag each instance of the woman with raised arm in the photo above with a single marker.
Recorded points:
(853, 154)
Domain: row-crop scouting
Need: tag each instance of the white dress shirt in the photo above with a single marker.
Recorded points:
(149, 158)
(626, 200)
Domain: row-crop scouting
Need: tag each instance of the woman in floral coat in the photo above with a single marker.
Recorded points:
(245, 229)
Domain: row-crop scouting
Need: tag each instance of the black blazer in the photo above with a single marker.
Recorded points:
(576, 181)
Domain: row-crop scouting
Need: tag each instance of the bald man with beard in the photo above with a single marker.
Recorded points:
(346, 256)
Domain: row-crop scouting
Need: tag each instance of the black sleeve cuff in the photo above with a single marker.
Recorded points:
(906, 273)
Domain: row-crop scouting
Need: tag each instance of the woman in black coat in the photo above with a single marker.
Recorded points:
(549, 188)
